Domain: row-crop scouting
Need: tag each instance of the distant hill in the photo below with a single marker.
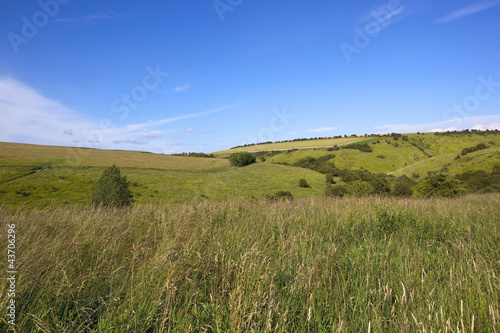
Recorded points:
(398, 154)
(39, 176)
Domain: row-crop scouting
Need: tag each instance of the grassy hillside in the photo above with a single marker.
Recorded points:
(154, 178)
(421, 153)
(479, 160)
(309, 265)
(38, 155)
(291, 145)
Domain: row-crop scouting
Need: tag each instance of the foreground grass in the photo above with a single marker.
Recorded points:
(317, 265)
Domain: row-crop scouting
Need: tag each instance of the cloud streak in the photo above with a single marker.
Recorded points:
(322, 129)
(182, 88)
(490, 122)
(467, 11)
(131, 141)
(109, 15)
(150, 135)
(135, 127)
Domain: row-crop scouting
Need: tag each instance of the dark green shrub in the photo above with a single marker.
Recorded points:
(112, 189)
(280, 195)
(336, 190)
(476, 180)
(439, 184)
(468, 150)
(303, 183)
(329, 178)
(241, 159)
(402, 189)
(364, 147)
(380, 185)
(359, 188)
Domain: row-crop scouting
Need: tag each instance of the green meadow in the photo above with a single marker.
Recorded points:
(306, 265)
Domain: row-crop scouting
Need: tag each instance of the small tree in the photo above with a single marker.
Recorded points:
(303, 183)
(329, 178)
(112, 189)
(241, 159)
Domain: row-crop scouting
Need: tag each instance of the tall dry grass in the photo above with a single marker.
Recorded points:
(308, 265)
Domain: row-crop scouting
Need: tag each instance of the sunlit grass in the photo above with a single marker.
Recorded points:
(307, 265)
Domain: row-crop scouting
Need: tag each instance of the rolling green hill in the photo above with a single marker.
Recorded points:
(420, 153)
(302, 144)
(38, 155)
(38, 176)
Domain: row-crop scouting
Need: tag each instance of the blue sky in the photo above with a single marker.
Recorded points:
(173, 76)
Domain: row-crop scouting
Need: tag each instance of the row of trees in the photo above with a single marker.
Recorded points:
(322, 138)
(362, 182)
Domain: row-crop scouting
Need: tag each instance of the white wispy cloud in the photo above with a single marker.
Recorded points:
(322, 129)
(467, 11)
(490, 122)
(182, 88)
(108, 15)
(27, 116)
(189, 130)
(130, 141)
(135, 127)
(150, 135)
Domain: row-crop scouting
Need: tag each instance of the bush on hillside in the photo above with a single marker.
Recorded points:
(468, 150)
(359, 188)
(380, 185)
(364, 147)
(280, 195)
(439, 185)
(336, 190)
(329, 178)
(241, 159)
(303, 183)
(403, 187)
(112, 189)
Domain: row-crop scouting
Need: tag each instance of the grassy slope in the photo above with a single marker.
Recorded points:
(154, 178)
(24, 154)
(291, 145)
(439, 152)
(479, 160)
